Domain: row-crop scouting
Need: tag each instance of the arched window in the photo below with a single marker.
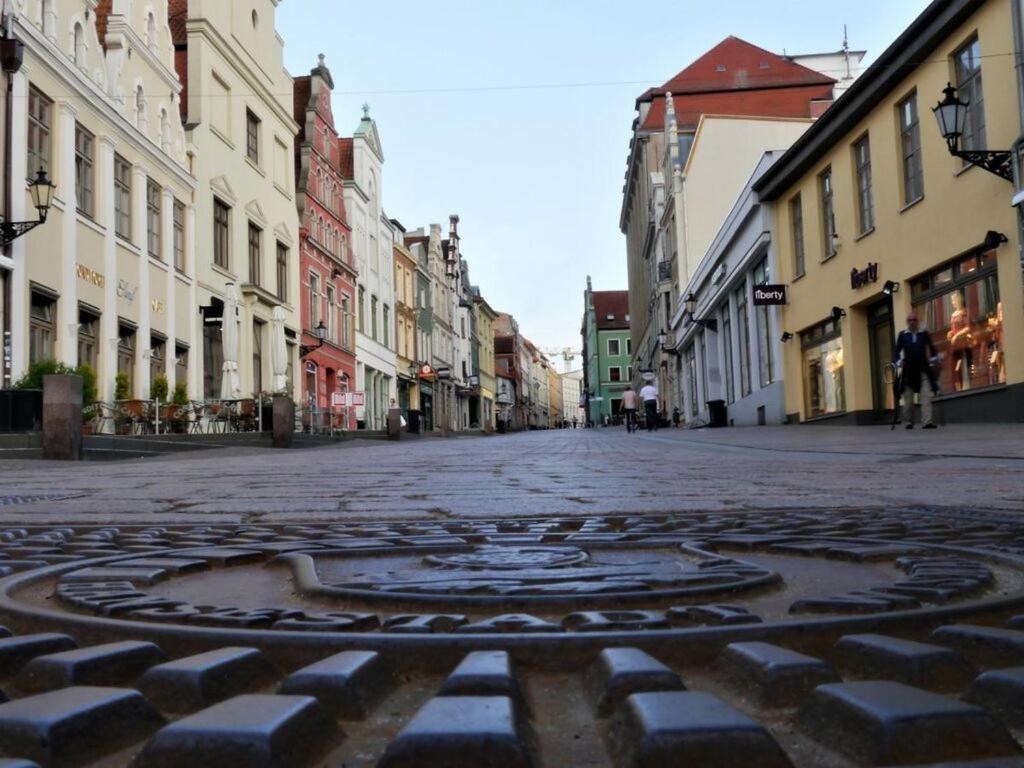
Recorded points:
(78, 42)
(165, 131)
(140, 109)
(316, 184)
(151, 31)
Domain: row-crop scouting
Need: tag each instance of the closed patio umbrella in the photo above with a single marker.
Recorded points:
(279, 351)
(230, 384)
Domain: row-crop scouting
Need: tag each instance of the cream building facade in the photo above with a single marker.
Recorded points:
(488, 387)
(110, 279)
(241, 134)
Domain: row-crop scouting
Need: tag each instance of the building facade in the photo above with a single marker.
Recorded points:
(362, 162)
(407, 367)
(607, 352)
(875, 219)
(327, 273)
(487, 392)
(573, 411)
(110, 279)
(508, 359)
(555, 406)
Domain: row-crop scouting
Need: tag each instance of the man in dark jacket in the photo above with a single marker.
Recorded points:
(914, 355)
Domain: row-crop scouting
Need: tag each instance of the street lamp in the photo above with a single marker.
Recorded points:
(890, 287)
(41, 189)
(321, 334)
(951, 114)
(837, 314)
(690, 304)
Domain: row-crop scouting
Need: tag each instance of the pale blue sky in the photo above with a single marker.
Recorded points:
(535, 172)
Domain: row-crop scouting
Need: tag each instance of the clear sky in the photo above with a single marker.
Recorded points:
(516, 115)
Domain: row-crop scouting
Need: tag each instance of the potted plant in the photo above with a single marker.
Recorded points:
(177, 411)
(90, 396)
(159, 388)
(122, 392)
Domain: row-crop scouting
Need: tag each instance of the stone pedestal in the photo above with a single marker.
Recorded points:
(62, 418)
(395, 423)
(284, 422)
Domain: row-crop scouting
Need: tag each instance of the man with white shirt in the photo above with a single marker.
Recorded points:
(649, 394)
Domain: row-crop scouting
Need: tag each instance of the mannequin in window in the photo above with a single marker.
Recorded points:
(961, 342)
(835, 396)
(996, 361)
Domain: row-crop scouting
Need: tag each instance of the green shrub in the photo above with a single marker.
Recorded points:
(90, 393)
(33, 378)
(180, 396)
(158, 389)
(122, 390)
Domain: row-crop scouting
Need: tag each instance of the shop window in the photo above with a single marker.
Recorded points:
(691, 378)
(960, 306)
(84, 171)
(221, 234)
(213, 361)
(157, 358)
(743, 325)
(796, 219)
(824, 386)
(42, 327)
(88, 338)
(122, 198)
(765, 347)
(730, 385)
(865, 194)
(967, 66)
(179, 235)
(181, 364)
(126, 355)
(40, 114)
(910, 149)
(153, 194)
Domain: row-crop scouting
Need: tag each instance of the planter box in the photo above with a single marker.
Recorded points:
(21, 410)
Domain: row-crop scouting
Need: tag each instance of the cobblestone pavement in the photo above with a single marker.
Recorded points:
(740, 599)
(561, 472)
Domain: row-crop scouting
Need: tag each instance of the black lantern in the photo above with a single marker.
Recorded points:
(41, 189)
(690, 304)
(321, 335)
(951, 114)
(691, 308)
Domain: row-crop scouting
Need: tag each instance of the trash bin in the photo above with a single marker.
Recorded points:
(414, 422)
(718, 415)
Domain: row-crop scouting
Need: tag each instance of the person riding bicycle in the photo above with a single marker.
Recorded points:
(914, 356)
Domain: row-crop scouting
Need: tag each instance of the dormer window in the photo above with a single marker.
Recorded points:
(610, 317)
(765, 65)
(720, 68)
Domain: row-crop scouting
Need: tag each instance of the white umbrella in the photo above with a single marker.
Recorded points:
(279, 351)
(230, 386)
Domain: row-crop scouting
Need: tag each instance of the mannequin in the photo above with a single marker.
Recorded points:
(997, 365)
(961, 342)
(834, 387)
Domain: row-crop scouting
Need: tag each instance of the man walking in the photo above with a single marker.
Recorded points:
(649, 394)
(629, 409)
(914, 355)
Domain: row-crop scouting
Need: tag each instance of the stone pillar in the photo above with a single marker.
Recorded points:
(143, 336)
(67, 307)
(18, 195)
(195, 327)
(62, 418)
(109, 330)
(170, 303)
(284, 422)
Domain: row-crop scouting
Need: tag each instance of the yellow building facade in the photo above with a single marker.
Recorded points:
(485, 317)
(874, 218)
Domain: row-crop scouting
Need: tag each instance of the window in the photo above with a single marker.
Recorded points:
(743, 325)
(865, 196)
(213, 361)
(332, 311)
(824, 388)
(179, 235)
(629, 342)
(796, 220)
(967, 64)
(959, 304)
(691, 378)
(78, 40)
(764, 329)
(257, 356)
(362, 309)
(386, 322)
(910, 150)
(42, 328)
(255, 253)
(615, 373)
(126, 355)
(282, 272)
(122, 198)
(828, 213)
(181, 364)
(346, 322)
(40, 110)
(730, 385)
(373, 318)
(153, 218)
(84, 171)
(314, 300)
(157, 358)
(613, 348)
(252, 137)
(221, 230)
(88, 338)
(140, 109)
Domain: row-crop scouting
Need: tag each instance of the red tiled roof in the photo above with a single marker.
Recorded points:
(177, 15)
(103, 9)
(302, 90)
(614, 304)
(345, 159)
(738, 78)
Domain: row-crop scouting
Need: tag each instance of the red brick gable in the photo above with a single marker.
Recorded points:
(802, 101)
(302, 89)
(346, 159)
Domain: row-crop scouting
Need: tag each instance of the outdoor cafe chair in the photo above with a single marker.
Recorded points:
(219, 415)
(198, 414)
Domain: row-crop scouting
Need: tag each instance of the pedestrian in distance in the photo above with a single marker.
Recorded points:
(914, 357)
(676, 417)
(629, 404)
(649, 394)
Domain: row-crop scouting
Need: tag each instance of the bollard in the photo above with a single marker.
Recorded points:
(284, 422)
(62, 418)
(395, 423)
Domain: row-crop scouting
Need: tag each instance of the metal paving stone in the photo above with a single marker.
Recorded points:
(878, 657)
(189, 684)
(347, 684)
(16, 652)
(882, 722)
(986, 647)
(74, 726)
(254, 730)
(144, 575)
(1001, 691)
(777, 677)
(460, 732)
(621, 672)
(483, 673)
(103, 665)
(17, 763)
(676, 728)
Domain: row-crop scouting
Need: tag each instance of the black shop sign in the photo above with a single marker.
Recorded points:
(769, 295)
(861, 277)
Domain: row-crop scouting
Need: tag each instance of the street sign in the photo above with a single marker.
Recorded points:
(444, 373)
(427, 373)
(357, 399)
(339, 399)
(769, 295)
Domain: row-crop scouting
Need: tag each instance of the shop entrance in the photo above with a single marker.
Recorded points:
(881, 337)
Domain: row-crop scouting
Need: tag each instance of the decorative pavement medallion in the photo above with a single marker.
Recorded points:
(838, 638)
